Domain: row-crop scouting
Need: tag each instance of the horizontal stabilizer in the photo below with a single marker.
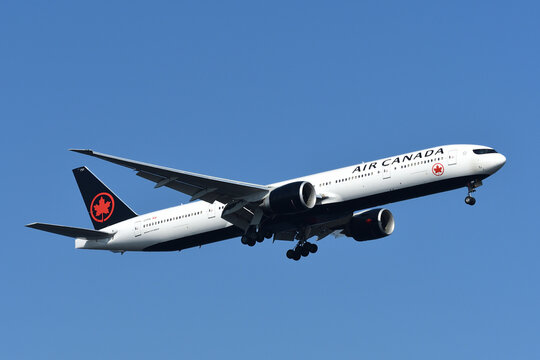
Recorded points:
(74, 232)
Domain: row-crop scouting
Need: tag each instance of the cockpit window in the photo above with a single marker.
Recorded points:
(483, 151)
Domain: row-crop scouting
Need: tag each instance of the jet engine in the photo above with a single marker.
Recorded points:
(291, 198)
(370, 225)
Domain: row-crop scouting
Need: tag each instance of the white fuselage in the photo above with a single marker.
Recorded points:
(388, 175)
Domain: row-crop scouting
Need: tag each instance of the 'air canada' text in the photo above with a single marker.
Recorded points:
(399, 160)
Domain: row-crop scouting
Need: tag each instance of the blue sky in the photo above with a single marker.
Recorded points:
(262, 92)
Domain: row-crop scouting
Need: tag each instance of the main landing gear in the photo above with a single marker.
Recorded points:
(471, 187)
(303, 249)
(252, 236)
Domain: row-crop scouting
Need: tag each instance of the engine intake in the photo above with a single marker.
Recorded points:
(370, 225)
(291, 198)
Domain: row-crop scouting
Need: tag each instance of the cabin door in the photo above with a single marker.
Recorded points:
(137, 229)
(212, 211)
(452, 157)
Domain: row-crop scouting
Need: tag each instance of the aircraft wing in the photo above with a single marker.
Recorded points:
(204, 187)
(74, 232)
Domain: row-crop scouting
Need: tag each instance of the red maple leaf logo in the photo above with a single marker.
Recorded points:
(438, 169)
(102, 209)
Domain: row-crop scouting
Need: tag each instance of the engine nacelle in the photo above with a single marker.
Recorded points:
(370, 225)
(291, 198)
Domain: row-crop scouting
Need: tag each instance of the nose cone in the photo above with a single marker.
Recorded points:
(495, 162)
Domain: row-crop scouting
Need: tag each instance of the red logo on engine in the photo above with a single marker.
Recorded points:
(102, 207)
(437, 169)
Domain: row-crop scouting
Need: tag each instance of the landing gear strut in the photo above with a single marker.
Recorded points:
(302, 249)
(471, 187)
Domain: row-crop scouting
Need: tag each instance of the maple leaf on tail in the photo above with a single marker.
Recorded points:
(102, 207)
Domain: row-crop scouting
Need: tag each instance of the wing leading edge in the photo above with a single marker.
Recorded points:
(203, 187)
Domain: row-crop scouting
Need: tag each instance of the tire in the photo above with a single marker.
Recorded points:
(313, 248)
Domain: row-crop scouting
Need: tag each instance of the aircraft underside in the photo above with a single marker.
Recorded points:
(320, 222)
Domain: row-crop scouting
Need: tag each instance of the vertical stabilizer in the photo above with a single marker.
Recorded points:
(104, 207)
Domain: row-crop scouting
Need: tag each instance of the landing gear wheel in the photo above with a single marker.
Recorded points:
(302, 249)
(471, 187)
(251, 237)
(247, 240)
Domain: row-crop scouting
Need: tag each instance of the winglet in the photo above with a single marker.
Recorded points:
(83, 151)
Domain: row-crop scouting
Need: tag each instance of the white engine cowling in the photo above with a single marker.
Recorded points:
(291, 198)
(370, 225)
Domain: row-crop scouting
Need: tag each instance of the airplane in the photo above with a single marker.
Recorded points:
(342, 202)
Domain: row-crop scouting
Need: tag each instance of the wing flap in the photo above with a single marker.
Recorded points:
(74, 232)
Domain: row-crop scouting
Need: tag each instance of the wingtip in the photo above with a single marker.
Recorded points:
(83, 151)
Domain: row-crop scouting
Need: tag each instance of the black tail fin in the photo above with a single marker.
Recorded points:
(104, 207)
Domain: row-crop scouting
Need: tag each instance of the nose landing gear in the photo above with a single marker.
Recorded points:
(471, 187)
